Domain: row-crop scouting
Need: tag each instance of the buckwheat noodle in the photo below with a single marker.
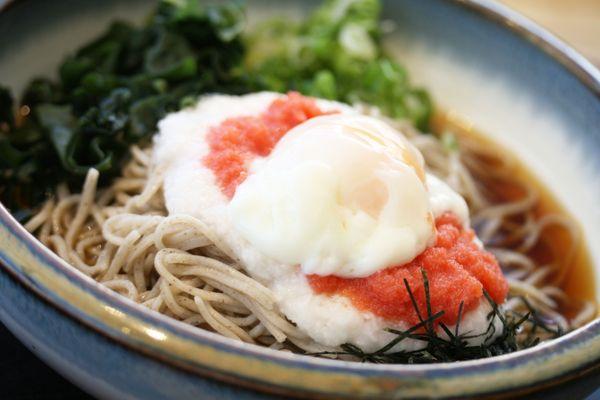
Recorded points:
(123, 237)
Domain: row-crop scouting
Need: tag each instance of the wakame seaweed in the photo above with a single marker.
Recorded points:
(112, 91)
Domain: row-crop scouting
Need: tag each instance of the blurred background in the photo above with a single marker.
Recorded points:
(575, 21)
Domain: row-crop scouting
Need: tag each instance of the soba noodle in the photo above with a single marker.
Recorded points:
(123, 237)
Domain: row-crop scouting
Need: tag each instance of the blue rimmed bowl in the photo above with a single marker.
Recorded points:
(510, 78)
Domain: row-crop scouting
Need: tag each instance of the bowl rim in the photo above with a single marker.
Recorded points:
(180, 345)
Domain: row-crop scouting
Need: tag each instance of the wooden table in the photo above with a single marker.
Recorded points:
(577, 22)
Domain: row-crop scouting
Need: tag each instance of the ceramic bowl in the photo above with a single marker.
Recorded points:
(512, 79)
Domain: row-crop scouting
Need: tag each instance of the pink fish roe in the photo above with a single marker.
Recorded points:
(457, 269)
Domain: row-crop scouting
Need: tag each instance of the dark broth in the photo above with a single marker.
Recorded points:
(575, 275)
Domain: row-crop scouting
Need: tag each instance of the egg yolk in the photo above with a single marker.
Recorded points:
(237, 141)
(457, 270)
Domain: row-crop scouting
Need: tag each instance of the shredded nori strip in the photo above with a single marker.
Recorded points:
(454, 347)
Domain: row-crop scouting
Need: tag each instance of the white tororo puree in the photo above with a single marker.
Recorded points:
(190, 189)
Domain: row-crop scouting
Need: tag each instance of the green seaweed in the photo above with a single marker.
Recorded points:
(111, 93)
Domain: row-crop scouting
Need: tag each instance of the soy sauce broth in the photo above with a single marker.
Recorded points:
(575, 275)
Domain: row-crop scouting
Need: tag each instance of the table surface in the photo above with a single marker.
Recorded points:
(577, 22)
